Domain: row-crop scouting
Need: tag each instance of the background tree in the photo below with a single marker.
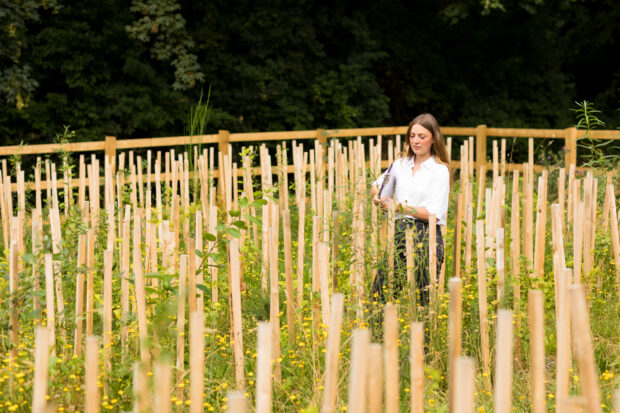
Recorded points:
(133, 69)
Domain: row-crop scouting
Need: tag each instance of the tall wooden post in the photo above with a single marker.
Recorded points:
(481, 146)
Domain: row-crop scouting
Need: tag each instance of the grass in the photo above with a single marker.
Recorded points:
(303, 363)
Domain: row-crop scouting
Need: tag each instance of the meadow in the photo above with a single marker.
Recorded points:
(164, 283)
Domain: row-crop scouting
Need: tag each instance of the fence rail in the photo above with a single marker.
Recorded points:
(481, 132)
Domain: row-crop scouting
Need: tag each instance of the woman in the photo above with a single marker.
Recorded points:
(421, 187)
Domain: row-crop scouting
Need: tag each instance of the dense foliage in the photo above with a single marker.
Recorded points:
(133, 69)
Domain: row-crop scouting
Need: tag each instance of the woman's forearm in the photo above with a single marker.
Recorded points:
(416, 212)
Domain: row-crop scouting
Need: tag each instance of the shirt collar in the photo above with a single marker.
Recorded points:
(429, 162)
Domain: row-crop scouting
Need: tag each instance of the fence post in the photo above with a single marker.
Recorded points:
(110, 150)
(570, 145)
(481, 146)
(223, 137)
(321, 136)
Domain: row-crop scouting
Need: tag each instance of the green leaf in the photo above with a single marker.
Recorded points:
(243, 202)
(210, 237)
(239, 224)
(259, 203)
(233, 232)
(253, 219)
(202, 287)
(28, 258)
(234, 213)
(159, 275)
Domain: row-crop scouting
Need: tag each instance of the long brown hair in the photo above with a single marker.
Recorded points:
(438, 149)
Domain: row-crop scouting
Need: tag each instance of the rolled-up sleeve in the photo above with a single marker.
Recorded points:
(438, 202)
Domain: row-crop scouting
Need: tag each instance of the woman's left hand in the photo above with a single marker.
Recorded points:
(386, 202)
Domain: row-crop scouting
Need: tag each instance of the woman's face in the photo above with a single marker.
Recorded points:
(420, 140)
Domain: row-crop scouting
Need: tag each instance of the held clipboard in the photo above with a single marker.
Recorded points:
(387, 183)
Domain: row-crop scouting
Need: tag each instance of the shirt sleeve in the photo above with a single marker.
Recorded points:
(379, 180)
(438, 202)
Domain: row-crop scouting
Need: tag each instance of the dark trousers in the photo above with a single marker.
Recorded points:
(421, 261)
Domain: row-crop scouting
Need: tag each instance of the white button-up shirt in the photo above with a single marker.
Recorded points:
(428, 188)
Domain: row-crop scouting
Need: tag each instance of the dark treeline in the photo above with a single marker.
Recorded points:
(132, 69)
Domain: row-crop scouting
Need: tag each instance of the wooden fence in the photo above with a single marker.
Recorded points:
(223, 138)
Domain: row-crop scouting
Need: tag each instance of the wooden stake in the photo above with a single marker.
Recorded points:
(237, 402)
(79, 295)
(263, 368)
(541, 223)
(360, 340)
(235, 298)
(140, 290)
(274, 304)
(162, 373)
(375, 378)
(457, 237)
(390, 332)
(417, 367)
(463, 401)
(125, 257)
(41, 366)
(49, 302)
(90, 280)
(500, 262)
(578, 240)
(503, 365)
(107, 309)
(140, 388)
(15, 302)
(332, 352)
(536, 322)
(482, 306)
(196, 365)
(288, 274)
(455, 327)
(180, 366)
(582, 338)
(323, 263)
(91, 375)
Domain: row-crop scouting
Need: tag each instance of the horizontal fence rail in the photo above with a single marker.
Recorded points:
(224, 138)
